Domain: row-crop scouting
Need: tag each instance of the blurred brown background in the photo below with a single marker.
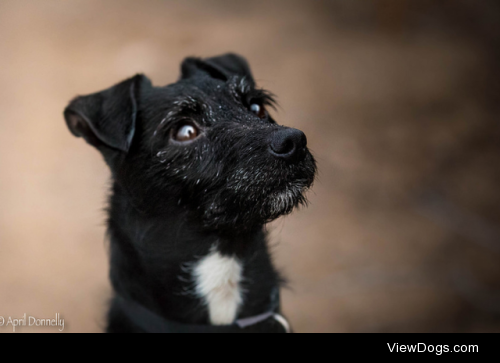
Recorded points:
(399, 100)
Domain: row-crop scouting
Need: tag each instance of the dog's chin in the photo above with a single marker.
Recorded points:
(253, 212)
(283, 202)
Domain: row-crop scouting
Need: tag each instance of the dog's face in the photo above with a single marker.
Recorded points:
(205, 146)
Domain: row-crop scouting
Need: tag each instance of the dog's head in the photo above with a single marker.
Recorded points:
(205, 146)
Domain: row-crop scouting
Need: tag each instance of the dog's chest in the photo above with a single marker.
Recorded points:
(218, 283)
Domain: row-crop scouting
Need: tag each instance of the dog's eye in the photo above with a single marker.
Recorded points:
(259, 110)
(186, 132)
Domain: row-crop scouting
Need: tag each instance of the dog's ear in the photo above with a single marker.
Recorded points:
(107, 118)
(222, 67)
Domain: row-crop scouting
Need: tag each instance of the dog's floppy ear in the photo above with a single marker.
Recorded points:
(107, 118)
(222, 67)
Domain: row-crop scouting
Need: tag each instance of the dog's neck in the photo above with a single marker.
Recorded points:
(170, 265)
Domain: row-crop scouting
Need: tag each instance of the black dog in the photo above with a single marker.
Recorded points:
(198, 167)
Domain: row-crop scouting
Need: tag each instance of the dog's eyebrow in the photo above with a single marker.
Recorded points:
(243, 87)
(181, 106)
(239, 86)
(184, 105)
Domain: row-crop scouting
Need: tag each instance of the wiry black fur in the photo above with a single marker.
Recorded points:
(171, 202)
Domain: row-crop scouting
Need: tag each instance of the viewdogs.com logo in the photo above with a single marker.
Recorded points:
(31, 321)
(430, 348)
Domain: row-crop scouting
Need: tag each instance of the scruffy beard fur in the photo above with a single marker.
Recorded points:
(251, 203)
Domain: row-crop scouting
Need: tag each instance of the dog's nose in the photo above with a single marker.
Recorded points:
(288, 143)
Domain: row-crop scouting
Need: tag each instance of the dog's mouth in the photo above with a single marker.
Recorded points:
(252, 201)
(285, 200)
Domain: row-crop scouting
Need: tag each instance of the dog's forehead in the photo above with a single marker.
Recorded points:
(201, 91)
(200, 95)
(211, 89)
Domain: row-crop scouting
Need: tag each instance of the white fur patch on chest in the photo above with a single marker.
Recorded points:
(218, 281)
